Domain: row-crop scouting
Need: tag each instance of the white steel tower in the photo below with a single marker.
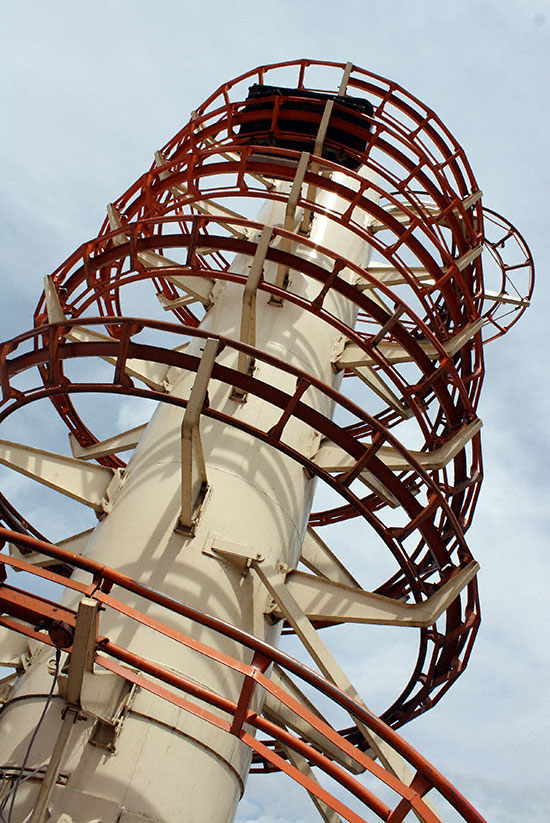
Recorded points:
(311, 223)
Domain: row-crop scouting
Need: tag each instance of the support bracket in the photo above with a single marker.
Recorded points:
(281, 280)
(87, 483)
(248, 315)
(193, 468)
(305, 225)
(329, 602)
(329, 667)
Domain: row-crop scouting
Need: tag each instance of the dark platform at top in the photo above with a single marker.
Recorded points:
(290, 119)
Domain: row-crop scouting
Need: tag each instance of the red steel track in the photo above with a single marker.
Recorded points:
(422, 308)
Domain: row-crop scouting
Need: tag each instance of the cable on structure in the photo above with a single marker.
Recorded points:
(20, 778)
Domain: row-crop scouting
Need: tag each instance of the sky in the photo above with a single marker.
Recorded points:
(90, 90)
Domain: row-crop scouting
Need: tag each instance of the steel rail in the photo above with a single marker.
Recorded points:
(104, 577)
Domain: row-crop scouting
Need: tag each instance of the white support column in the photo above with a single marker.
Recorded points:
(256, 497)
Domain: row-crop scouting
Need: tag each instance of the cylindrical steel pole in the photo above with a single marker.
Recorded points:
(254, 502)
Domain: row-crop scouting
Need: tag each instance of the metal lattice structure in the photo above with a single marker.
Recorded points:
(319, 248)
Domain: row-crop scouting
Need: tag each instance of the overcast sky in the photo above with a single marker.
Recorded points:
(90, 89)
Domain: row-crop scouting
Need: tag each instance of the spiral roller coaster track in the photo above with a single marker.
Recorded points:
(308, 190)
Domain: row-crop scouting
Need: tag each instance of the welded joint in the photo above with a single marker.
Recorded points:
(193, 468)
(238, 555)
(102, 695)
(112, 491)
(108, 698)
